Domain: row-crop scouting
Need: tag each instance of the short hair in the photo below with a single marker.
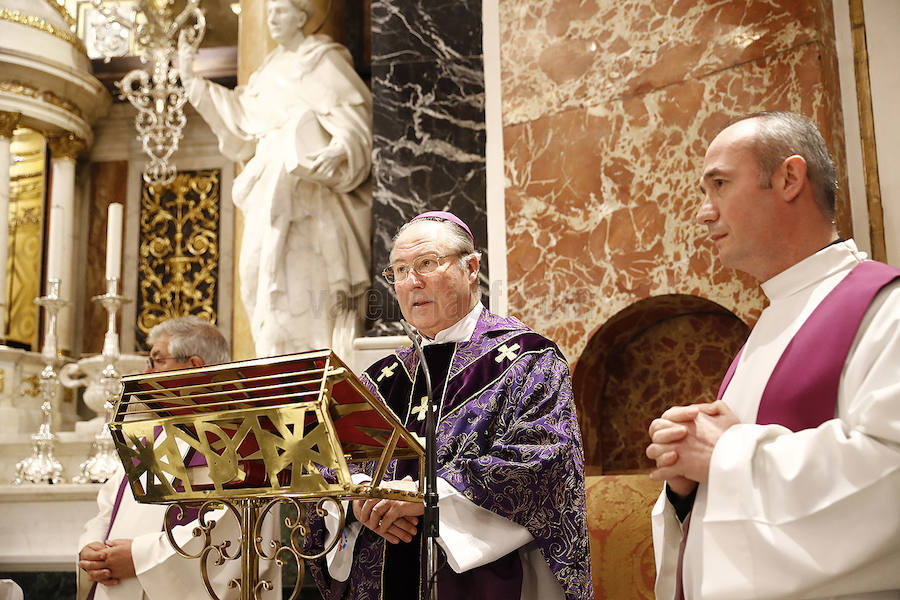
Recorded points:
(192, 336)
(780, 134)
(459, 239)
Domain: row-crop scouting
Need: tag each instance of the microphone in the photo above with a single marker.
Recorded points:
(431, 518)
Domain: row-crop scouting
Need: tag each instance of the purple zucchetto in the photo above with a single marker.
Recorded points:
(444, 216)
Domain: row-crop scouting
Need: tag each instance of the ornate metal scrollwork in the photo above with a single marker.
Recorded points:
(271, 432)
(216, 551)
(249, 543)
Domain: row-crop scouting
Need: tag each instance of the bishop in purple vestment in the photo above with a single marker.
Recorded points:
(509, 454)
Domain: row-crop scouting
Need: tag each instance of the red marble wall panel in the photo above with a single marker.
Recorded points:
(602, 181)
(562, 54)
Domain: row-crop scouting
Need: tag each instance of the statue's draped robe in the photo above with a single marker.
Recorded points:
(508, 441)
(304, 255)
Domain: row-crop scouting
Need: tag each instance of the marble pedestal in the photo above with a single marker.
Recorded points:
(42, 524)
(20, 404)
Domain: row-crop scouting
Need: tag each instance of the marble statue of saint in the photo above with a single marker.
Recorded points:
(302, 127)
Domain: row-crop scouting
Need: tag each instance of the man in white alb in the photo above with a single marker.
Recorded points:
(124, 550)
(788, 485)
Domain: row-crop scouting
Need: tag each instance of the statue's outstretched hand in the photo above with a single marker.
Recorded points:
(186, 56)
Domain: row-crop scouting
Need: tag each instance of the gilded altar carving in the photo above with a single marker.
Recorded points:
(67, 145)
(179, 249)
(30, 386)
(8, 123)
(23, 89)
(62, 12)
(20, 18)
(26, 226)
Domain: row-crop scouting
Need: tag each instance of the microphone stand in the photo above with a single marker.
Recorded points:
(431, 518)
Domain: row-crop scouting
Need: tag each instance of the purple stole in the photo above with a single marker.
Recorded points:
(802, 391)
(186, 516)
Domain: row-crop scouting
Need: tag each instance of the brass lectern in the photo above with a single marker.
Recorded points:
(250, 436)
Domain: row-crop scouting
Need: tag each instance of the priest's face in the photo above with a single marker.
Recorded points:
(162, 360)
(284, 20)
(737, 210)
(437, 300)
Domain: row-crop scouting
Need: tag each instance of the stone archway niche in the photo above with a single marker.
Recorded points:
(656, 353)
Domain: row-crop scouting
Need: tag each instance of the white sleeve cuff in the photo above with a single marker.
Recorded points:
(340, 558)
(473, 536)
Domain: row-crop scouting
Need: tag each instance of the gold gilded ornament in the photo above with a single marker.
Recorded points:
(179, 251)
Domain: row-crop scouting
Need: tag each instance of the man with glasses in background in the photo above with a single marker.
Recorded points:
(509, 455)
(124, 548)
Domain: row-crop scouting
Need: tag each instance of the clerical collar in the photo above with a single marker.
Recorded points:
(461, 331)
(829, 260)
(832, 243)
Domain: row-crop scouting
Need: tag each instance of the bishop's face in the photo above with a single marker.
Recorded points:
(284, 20)
(434, 301)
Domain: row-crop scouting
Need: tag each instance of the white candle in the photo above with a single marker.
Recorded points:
(55, 243)
(114, 241)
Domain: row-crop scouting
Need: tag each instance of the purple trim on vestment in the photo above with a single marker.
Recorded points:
(730, 373)
(112, 517)
(118, 503)
(802, 391)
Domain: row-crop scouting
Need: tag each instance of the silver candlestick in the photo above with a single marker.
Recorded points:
(42, 466)
(103, 460)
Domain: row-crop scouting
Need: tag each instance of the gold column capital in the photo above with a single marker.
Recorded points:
(8, 123)
(67, 145)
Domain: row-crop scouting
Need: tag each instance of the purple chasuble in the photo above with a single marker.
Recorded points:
(508, 440)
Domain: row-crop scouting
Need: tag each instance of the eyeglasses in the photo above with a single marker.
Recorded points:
(153, 363)
(423, 265)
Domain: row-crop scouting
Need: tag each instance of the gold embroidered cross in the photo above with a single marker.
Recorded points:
(387, 371)
(507, 353)
(421, 408)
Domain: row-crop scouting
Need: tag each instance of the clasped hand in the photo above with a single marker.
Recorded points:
(107, 563)
(682, 442)
(394, 520)
(326, 161)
